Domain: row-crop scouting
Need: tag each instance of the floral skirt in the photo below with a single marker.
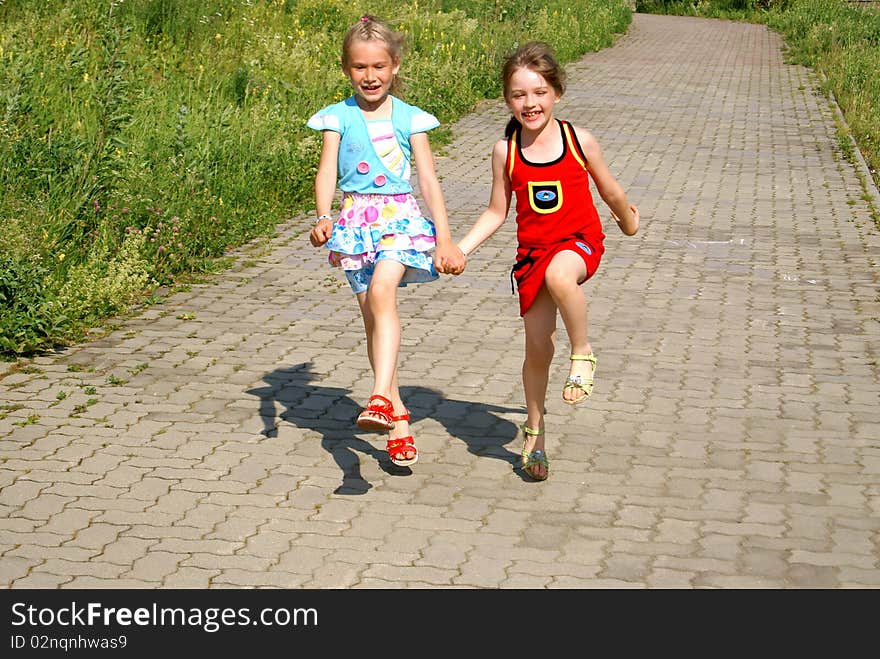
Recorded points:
(373, 227)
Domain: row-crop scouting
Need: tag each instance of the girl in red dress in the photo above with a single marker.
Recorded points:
(548, 163)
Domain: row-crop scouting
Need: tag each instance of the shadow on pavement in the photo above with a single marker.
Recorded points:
(331, 412)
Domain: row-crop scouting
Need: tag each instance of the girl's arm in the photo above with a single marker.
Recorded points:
(612, 193)
(325, 187)
(499, 203)
(447, 257)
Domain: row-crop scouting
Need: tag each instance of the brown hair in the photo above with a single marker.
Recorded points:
(536, 56)
(370, 28)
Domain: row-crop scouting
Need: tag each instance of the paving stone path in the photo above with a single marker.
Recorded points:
(733, 438)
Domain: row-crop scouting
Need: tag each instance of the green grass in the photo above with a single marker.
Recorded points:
(727, 9)
(141, 140)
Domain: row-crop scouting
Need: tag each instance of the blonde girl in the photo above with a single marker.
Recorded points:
(379, 236)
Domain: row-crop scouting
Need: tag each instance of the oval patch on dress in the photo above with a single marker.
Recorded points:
(545, 196)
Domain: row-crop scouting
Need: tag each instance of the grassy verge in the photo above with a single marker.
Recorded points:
(140, 140)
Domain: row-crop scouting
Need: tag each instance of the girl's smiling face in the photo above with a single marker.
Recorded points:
(530, 98)
(371, 70)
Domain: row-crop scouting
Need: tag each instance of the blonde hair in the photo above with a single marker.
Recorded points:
(370, 28)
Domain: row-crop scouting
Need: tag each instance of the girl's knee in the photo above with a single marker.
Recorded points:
(560, 280)
(381, 293)
(566, 269)
(539, 352)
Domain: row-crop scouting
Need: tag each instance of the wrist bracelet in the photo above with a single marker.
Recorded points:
(324, 217)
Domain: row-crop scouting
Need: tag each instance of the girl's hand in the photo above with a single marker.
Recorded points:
(321, 232)
(449, 260)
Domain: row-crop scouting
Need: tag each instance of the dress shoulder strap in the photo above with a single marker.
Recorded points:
(511, 153)
(574, 146)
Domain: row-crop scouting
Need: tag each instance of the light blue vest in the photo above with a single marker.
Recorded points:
(374, 156)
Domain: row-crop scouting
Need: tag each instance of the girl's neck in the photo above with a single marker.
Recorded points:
(379, 110)
(544, 144)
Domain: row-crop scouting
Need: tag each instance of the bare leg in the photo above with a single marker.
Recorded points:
(381, 301)
(540, 331)
(369, 329)
(382, 325)
(566, 269)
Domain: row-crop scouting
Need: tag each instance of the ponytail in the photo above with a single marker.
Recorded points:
(512, 126)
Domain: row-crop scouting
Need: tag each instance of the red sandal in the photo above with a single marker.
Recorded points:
(377, 416)
(397, 448)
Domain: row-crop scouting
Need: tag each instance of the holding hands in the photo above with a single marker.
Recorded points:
(449, 260)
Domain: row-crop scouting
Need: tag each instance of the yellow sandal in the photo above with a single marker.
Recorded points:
(585, 384)
(532, 459)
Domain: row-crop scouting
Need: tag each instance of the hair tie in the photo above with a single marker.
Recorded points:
(364, 18)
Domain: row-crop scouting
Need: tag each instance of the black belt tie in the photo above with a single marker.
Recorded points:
(520, 264)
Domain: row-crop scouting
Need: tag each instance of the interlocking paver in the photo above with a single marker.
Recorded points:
(730, 441)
